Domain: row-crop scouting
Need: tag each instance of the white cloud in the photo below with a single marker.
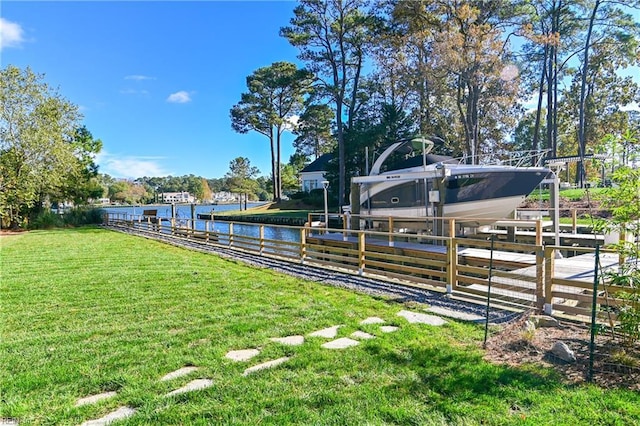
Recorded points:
(11, 34)
(181, 97)
(138, 77)
(633, 106)
(123, 166)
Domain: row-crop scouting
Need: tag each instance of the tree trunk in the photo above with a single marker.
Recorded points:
(278, 164)
(582, 143)
(535, 144)
(273, 165)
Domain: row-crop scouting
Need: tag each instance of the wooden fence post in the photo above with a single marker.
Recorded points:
(261, 239)
(361, 250)
(549, 259)
(452, 269)
(303, 245)
(230, 234)
(390, 231)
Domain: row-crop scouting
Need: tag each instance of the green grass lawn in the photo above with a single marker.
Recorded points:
(84, 311)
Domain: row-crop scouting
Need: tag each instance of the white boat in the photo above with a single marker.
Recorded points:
(404, 185)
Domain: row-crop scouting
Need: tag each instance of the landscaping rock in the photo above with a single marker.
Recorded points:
(178, 373)
(265, 365)
(289, 340)
(242, 355)
(388, 328)
(415, 317)
(562, 351)
(93, 399)
(341, 343)
(193, 385)
(119, 414)
(328, 333)
(544, 321)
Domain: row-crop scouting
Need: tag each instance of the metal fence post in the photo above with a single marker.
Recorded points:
(486, 324)
(592, 345)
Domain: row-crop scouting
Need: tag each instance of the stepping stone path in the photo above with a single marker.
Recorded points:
(415, 317)
(328, 333)
(242, 355)
(362, 335)
(93, 399)
(178, 373)
(372, 320)
(265, 365)
(247, 354)
(289, 340)
(193, 385)
(342, 343)
(119, 414)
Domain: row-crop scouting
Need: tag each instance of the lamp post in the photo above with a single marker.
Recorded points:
(325, 185)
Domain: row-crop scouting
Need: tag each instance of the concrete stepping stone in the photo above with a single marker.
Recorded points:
(242, 355)
(362, 335)
(372, 320)
(193, 385)
(389, 328)
(328, 333)
(455, 314)
(342, 343)
(178, 373)
(265, 365)
(8, 422)
(92, 399)
(119, 414)
(289, 340)
(415, 317)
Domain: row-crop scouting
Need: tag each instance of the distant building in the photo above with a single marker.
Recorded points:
(177, 197)
(312, 175)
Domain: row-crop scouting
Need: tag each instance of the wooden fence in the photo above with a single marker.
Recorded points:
(520, 276)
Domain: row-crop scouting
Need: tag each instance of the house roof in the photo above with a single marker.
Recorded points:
(319, 165)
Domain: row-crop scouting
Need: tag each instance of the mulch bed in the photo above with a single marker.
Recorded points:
(614, 365)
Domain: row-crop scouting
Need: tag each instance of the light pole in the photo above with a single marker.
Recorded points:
(325, 185)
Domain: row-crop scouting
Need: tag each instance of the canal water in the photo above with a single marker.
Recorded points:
(183, 215)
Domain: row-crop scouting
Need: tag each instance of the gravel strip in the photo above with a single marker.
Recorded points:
(396, 291)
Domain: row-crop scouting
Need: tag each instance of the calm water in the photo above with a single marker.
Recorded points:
(183, 214)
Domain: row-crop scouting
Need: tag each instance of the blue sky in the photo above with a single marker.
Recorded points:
(154, 80)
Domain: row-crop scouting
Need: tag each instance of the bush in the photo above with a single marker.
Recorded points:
(46, 220)
(83, 216)
(76, 217)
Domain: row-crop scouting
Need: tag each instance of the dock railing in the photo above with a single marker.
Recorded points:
(524, 275)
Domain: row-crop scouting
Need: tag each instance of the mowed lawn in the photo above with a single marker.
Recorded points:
(84, 311)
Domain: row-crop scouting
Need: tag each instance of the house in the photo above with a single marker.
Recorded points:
(177, 197)
(312, 175)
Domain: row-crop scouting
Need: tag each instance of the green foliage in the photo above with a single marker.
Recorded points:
(275, 95)
(83, 216)
(623, 199)
(46, 220)
(39, 154)
(78, 216)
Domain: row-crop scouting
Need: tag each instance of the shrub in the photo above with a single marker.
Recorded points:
(46, 220)
(83, 216)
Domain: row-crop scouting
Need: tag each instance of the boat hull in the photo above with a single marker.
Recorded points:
(473, 195)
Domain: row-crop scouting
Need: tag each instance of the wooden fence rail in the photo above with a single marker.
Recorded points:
(523, 275)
